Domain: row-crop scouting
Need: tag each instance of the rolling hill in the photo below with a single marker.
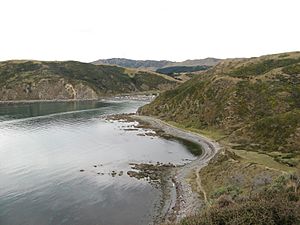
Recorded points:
(174, 70)
(252, 108)
(36, 80)
(155, 65)
(255, 102)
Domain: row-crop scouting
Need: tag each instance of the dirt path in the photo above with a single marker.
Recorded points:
(200, 188)
(185, 201)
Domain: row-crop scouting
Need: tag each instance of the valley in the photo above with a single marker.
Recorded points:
(243, 113)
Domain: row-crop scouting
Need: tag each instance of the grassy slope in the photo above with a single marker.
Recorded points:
(251, 106)
(103, 79)
(154, 65)
(181, 69)
(257, 109)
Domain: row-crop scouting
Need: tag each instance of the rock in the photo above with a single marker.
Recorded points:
(113, 173)
(153, 173)
(132, 173)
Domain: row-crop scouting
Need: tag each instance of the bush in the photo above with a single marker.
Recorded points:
(231, 190)
(264, 209)
(292, 69)
(265, 66)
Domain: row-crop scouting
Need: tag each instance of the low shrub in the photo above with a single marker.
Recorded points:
(266, 209)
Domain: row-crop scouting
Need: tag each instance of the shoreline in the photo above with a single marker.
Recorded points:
(130, 96)
(178, 198)
(182, 200)
(50, 100)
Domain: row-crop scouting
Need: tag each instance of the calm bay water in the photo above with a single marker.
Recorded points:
(43, 147)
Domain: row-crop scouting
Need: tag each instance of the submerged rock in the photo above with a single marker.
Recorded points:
(113, 173)
(133, 174)
(154, 173)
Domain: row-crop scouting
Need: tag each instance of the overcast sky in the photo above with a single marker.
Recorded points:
(88, 30)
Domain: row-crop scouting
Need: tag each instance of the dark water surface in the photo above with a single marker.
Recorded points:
(43, 147)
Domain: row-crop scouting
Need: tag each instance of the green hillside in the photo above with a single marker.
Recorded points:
(31, 80)
(130, 63)
(252, 107)
(181, 69)
(154, 65)
(253, 101)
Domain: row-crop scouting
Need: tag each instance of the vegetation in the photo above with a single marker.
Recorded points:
(242, 192)
(269, 208)
(129, 63)
(257, 111)
(20, 76)
(292, 69)
(252, 106)
(154, 64)
(181, 69)
(263, 66)
(273, 133)
(194, 148)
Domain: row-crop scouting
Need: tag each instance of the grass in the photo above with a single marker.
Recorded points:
(193, 147)
(242, 192)
(263, 159)
(252, 108)
(261, 114)
(181, 69)
(210, 133)
(103, 79)
(262, 67)
(292, 69)
(269, 207)
(131, 72)
(217, 176)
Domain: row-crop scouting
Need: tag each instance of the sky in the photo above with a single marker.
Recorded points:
(87, 30)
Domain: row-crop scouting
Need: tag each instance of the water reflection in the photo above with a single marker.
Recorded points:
(43, 147)
(24, 110)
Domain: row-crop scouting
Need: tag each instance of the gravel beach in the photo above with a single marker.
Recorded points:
(182, 200)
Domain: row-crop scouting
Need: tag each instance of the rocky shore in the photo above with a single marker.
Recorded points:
(186, 201)
(179, 198)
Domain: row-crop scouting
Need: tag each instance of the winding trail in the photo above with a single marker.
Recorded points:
(185, 202)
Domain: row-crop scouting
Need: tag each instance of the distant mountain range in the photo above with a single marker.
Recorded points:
(154, 65)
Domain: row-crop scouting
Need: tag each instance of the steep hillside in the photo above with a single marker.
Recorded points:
(155, 65)
(35, 80)
(254, 102)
